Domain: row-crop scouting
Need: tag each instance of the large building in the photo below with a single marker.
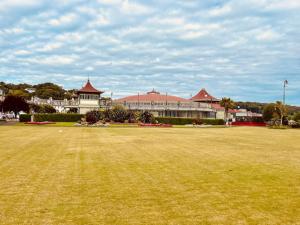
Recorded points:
(165, 105)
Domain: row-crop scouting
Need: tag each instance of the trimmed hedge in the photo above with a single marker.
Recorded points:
(25, 118)
(58, 117)
(184, 121)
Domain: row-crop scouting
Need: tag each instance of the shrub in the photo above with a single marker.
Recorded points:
(184, 121)
(58, 117)
(147, 117)
(132, 116)
(25, 118)
(296, 116)
(48, 109)
(93, 116)
(118, 114)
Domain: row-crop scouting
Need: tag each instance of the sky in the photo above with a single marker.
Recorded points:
(239, 49)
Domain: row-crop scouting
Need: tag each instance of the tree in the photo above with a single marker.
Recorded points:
(47, 90)
(281, 111)
(35, 108)
(19, 93)
(227, 103)
(48, 109)
(15, 104)
(268, 112)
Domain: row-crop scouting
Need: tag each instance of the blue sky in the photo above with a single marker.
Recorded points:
(240, 49)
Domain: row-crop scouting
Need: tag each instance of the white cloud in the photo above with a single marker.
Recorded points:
(54, 60)
(267, 35)
(22, 52)
(8, 4)
(63, 20)
(220, 11)
(49, 47)
(130, 7)
(284, 5)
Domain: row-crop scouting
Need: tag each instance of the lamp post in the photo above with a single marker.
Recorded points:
(285, 83)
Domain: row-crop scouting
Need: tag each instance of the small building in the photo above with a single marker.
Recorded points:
(88, 98)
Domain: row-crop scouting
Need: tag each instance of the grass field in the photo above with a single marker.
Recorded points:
(68, 175)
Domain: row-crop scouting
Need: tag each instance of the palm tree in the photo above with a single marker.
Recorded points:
(227, 103)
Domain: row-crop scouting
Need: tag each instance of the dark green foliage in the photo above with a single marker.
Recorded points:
(118, 114)
(184, 121)
(131, 116)
(15, 104)
(35, 108)
(25, 118)
(47, 90)
(107, 115)
(58, 117)
(296, 116)
(93, 116)
(269, 111)
(48, 109)
(73, 110)
(147, 117)
(42, 108)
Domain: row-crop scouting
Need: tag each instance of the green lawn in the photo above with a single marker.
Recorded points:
(71, 175)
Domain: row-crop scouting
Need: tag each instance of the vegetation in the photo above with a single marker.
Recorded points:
(44, 90)
(276, 113)
(14, 104)
(146, 117)
(118, 114)
(66, 175)
(227, 103)
(58, 117)
(25, 118)
(42, 108)
(93, 116)
(184, 121)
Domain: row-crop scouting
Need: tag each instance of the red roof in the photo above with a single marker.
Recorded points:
(204, 96)
(152, 96)
(88, 88)
(218, 107)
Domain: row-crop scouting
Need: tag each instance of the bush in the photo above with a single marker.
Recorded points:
(132, 116)
(48, 109)
(118, 114)
(296, 116)
(147, 117)
(184, 121)
(58, 117)
(25, 118)
(93, 116)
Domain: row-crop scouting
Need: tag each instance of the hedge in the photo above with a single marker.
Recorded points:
(184, 121)
(58, 117)
(25, 118)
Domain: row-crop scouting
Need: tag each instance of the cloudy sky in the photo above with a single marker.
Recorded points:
(241, 49)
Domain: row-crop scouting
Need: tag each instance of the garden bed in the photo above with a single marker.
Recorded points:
(155, 125)
(40, 123)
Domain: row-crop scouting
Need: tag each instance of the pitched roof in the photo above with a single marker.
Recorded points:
(204, 96)
(88, 88)
(152, 96)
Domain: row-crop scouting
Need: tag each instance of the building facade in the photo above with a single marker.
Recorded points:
(167, 105)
